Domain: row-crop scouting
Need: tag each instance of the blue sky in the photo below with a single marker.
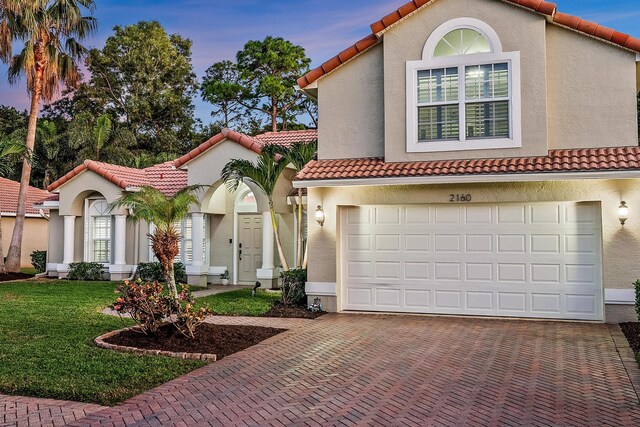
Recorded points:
(219, 28)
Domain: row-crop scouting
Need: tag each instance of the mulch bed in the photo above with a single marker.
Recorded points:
(221, 340)
(632, 332)
(291, 312)
(9, 277)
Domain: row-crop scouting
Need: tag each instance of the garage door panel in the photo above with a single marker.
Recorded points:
(532, 260)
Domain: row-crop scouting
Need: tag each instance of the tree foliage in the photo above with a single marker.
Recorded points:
(259, 85)
(143, 78)
(50, 32)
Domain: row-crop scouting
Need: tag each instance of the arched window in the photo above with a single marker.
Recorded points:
(462, 41)
(465, 92)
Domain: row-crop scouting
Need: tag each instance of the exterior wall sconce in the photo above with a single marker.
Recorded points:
(623, 212)
(320, 216)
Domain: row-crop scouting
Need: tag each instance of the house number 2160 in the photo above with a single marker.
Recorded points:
(459, 198)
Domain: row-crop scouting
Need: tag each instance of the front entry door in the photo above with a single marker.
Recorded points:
(249, 247)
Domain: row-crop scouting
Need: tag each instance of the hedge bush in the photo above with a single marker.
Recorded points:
(293, 282)
(39, 261)
(152, 272)
(637, 286)
(87, 271)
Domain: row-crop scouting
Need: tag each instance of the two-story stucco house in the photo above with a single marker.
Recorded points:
(224, 232)
(478, 157)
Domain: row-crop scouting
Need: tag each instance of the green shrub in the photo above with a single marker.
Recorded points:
(88, 271)
(293, 282)
(637, 286)
(152, 272)
(39, 261)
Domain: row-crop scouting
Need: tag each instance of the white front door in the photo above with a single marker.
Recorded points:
(249, 247)
(521, 259)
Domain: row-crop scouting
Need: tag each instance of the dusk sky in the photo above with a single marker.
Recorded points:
(219, 28)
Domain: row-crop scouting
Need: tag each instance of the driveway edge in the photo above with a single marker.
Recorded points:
(627, 356)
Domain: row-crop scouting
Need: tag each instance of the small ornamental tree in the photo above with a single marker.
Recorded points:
(153, 206)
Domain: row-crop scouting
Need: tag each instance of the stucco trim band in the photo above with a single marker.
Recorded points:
(619, 296)
(321, 288)
(466, 179)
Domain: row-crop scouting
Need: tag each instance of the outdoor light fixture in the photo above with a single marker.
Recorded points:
(623, 212)
(320, 215)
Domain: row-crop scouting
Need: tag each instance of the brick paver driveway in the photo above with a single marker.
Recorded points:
(402, 370)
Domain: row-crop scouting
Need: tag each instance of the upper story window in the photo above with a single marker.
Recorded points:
(465, 92)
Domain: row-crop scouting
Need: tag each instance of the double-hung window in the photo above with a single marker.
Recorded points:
(465, 92)
(98, 231)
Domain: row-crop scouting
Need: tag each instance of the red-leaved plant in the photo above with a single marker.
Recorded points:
(144, 302)
(149, 306)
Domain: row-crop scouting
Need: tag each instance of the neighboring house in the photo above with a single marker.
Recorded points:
(225, 231)
(35, 225)
(473, 155)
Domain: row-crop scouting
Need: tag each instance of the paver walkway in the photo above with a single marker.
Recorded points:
(31, 412)
(401, 370)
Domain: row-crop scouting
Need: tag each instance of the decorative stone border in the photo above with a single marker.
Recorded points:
(100, 342)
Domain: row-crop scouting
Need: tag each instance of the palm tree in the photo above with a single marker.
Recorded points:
(264, 173)
(51, 31)
(95, 139)
(298, 155)
(155, 207)
(49, 139)
(9, 149)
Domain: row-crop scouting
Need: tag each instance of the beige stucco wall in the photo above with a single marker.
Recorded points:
(518, 30)
(33, 239)
(74, 192)
(351, 109)
(591, 90)
(576, 91)
(55, 238)
(621, 244)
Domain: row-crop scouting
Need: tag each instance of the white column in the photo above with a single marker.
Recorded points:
(69, 239)
(267, 242)
(120, 237)
(197, 236)
(197, 271)
(268, 274)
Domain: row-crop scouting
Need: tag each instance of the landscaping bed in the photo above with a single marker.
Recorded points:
(291, 311)
(631, 331)
(10, 277)
(219, 340)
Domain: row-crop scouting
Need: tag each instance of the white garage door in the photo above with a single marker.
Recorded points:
(521, 260)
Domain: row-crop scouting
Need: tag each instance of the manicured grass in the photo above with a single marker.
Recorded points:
(240, 302)
(46, 345)
(29, 270)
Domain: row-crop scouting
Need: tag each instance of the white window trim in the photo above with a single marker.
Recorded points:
(428, 62)
(183, 252)
(88, 232)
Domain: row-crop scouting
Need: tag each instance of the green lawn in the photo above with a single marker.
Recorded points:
(240, 302)
(46, 348)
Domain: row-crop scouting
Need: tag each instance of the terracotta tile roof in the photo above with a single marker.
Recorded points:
(287, 138)
(253, 143)
(9, 197)
(539, 6)
(164, 176)
(585, 160)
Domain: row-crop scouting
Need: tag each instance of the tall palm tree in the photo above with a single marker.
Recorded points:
(298, 155)
(155, 207)
(9, 150)
(49, 139)
(51, 31)
(264, 173)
